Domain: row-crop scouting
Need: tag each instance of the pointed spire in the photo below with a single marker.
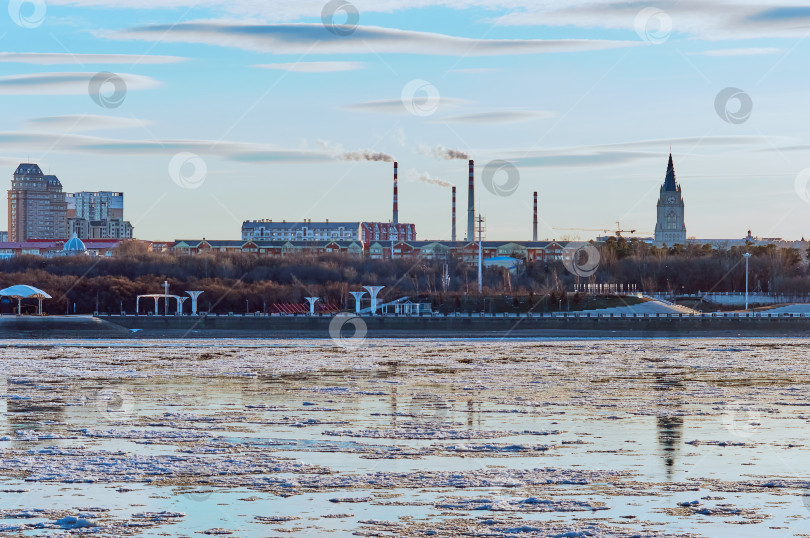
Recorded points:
(669, 183)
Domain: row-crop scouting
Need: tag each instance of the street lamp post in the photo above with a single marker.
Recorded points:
(747, 255)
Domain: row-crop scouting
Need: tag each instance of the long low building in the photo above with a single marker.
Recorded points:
(49, 248)
(381, 250)
(268, 230)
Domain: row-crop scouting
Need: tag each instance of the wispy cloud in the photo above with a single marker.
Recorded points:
(65, 83)
(33, 142)
(475, 70)
(737, 52)
(57, 58)
(314, 67)
(316, 39)
(625, 152)
(498, 116)
(708, 19)
(77, 123)
(396, 106)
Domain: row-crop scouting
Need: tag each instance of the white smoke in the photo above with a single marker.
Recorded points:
(426, 178)
(367, 155)
(443, 153)
(336, 150)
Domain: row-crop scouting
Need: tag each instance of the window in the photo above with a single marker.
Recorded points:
(672, 221)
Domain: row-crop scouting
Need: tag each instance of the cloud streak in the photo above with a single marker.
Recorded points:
(396, 106)
(314, 67)
(33, 142)
(87, 122)
(622, 153)
(498, 116)
(300, 38)
(707, 19)
(57, 58)
(65, 83)
(737, 52)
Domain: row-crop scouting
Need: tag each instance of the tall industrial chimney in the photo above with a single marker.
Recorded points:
(471, 204)
(396, 197)
(534, 222)
(453, 238)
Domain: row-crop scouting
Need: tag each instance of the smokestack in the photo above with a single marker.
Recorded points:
(396, 197)
(534, 222)
(454, 215)
(471, 204)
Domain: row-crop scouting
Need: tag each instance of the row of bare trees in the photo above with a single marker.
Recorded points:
(247, 282)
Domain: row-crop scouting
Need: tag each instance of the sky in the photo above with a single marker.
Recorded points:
(206, 114)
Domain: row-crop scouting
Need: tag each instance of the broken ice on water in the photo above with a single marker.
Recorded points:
(405, 438)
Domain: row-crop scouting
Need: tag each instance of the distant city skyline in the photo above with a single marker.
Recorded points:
(208, 115)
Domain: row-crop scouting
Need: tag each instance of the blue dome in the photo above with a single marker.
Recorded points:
(74, 245)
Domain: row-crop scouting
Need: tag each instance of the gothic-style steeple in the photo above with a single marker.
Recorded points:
(669, 183)
(670, 229)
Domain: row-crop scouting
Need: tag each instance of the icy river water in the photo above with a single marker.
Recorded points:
(520, 438)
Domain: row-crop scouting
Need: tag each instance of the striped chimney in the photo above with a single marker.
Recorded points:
(534, 223)
(471, 204)
(396, 196)
(454, 215)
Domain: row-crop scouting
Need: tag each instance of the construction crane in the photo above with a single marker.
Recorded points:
(618, 231)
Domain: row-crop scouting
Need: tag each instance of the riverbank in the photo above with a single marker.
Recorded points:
(346, 329)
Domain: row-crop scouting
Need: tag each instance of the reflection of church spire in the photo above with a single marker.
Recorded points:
(670, 432)
(669, 428)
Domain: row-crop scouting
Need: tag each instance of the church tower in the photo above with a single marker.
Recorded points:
(670, 228)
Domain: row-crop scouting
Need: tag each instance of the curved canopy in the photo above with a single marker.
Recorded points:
(24, 292)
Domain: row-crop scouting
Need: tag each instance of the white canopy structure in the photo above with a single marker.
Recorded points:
(21, 292)
(157, 297)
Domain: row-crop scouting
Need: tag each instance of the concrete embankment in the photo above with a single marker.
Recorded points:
(59, 327)
(474, 327)
(147, 327)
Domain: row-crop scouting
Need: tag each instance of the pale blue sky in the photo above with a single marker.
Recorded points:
(585, 100)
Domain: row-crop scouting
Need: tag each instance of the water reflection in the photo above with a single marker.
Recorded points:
(669, 426)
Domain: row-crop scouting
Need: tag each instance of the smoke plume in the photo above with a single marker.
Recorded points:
(433, 180)
(447, 154)
(367, 155)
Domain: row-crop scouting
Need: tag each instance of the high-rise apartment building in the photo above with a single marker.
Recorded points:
(36, 205)
(97, 215)
(99, 205)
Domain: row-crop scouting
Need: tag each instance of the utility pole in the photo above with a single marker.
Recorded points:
(165, 297)
(747, 255)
